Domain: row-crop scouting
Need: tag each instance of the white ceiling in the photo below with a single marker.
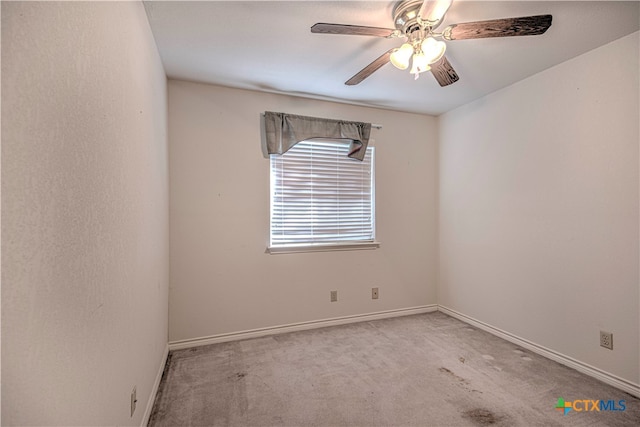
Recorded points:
(268, 46)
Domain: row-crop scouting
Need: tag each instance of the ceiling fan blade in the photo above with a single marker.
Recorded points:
(444, 72)
(524, 26)
(432, 11)
(369, 69)
(356, 30)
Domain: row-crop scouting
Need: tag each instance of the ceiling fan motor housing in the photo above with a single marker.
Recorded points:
(405, 16)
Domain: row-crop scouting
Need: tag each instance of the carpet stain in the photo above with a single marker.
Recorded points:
(456, 377)
(238, 375)
(447, 371)
(460, 381)
(461, 359)
(481, 416)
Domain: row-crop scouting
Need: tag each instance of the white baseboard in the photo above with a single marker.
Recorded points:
(261, 332)
(154, 389)
(606, 377)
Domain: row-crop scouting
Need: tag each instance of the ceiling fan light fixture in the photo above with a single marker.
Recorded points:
(420, 64)
(433, 49)
(400, 57)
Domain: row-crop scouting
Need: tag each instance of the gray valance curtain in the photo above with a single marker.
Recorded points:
(283, 131)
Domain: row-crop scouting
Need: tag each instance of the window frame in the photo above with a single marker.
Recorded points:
(345, 245)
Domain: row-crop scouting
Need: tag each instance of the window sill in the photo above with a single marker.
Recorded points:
(275, 250)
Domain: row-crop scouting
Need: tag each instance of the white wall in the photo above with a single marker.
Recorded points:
(84, 212)
(538, 216)
(221, 278)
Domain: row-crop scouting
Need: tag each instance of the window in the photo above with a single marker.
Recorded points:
(320, 198)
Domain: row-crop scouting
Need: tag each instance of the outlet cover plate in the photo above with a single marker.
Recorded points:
(606, 340)
(374, 293)
(334, 296)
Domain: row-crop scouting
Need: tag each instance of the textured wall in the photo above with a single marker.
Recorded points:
(539, 208)
(221, 278)
(84, 212)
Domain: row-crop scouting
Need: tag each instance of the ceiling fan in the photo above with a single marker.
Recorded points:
(416, 20)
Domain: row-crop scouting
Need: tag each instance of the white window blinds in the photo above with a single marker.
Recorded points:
(319, 196)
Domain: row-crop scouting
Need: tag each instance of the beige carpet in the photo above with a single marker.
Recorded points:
(422, 370)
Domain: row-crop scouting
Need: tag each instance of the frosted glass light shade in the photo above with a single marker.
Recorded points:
(433, 49)
(400, 57)
(420, 64)
(432, 11)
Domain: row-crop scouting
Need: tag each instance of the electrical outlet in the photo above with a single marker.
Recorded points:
(334, 296)
(134, 401)
(606, 340)
(374, 293)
